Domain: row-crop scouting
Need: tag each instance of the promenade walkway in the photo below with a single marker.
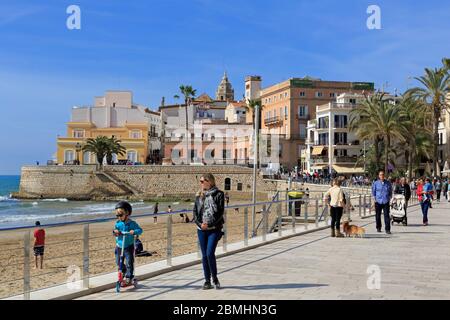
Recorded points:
(413, 262)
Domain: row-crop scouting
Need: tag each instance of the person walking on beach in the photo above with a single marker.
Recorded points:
(227, 198)
(125, 224)
(424, 194)
(39, 244)
(208, 216)
(382, 193)
(155, 211)
(404, 189)
(334, 198)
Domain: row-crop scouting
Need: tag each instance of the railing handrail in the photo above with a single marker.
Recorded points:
(163, 213)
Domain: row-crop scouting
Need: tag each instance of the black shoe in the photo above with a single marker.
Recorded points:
(388, 232)
(378, 230)
(217, 283)
(207, 285)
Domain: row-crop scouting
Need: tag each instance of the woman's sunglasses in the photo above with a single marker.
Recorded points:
(201, 181)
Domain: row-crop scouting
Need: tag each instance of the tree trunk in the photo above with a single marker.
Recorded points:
(188, 156)
(386, 153)
(436, 139)
(377, 152)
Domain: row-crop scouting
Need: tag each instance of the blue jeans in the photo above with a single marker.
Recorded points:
(127, 261)
(208, 243)
(424, 205)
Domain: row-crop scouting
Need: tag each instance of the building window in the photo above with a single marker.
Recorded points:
(323, 139)
(227, 184)
(302, 130)
(78, 133)
(69, 155)
(323, 123)
(352, 101)
(86, 157)
(132, 156)
(319, 94)
(135, 134)
(340, 138)
(340, 121)
(302, 111)
(239, 186)
(302, 94)
(332, 95)
(285, 112)
(441, 138)
(285, 94)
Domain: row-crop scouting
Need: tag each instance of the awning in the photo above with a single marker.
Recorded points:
(319, 167)
(317, 150)
(347, 169)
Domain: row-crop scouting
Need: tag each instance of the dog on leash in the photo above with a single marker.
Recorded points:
(352, 230)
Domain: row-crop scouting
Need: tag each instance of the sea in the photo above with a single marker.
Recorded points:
(21, 213)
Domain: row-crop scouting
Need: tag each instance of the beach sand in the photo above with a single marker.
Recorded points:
(64, 248)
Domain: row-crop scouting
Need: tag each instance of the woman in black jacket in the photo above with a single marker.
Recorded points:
(404, 189)
(208, 215)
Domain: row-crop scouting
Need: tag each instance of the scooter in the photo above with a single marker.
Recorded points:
(121, 283)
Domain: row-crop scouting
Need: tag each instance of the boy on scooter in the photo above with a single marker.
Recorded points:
(125, 224)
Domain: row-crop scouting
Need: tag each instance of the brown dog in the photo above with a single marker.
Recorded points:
(352, 230)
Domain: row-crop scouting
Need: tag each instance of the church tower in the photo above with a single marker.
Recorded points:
(225, 91)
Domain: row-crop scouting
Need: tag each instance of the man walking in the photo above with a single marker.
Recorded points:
(382, 193)
(404, 189)
(39, 245)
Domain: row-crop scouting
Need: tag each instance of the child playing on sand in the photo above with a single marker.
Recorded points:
(123, 212)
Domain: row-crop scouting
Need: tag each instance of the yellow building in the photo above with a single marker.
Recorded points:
(112, 115)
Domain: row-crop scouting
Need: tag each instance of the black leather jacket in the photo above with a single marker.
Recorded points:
(404, 190)
(217, 223)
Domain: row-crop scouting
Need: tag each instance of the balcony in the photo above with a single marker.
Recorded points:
(302, 117)
(272, 121)
(336, 105)
(336, 159)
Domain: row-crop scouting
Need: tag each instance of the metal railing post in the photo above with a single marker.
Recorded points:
(26, 266)
(246, 227)
(86, 256)
(225, 232)
(306, 214)
(169, 240)
(365, 205)
(293, 216)
(360, 203)
(264, 213)
(280, 221)
(317, 213)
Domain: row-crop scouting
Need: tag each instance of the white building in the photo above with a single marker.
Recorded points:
(330, 143)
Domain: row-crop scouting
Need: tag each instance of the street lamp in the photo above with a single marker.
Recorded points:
(78, 149)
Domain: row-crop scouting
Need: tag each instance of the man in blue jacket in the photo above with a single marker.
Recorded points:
(382, 193)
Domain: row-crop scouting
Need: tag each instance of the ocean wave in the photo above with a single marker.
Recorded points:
(7, 199)
(55, 200)
(40, 217)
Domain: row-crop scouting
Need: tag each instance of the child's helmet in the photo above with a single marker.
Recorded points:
(124, 205)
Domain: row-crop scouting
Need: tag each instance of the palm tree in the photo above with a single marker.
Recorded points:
(378, 119)
(189, 93)
(417, 136)
(434, 91)
(251, 106)
(99, 146)
(114, 147)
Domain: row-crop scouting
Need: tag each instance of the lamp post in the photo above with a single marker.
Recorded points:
(78, 149)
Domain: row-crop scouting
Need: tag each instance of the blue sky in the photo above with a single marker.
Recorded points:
(151, 47)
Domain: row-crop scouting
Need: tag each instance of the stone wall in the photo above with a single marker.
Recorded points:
(82, 182)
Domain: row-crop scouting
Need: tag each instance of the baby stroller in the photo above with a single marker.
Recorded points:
(398, 213)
